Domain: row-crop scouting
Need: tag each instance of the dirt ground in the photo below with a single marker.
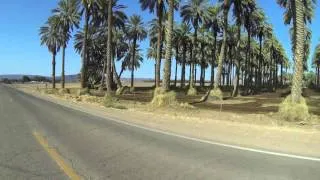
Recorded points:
(257, 127)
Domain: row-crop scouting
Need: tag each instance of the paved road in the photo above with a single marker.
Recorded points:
(97, 148)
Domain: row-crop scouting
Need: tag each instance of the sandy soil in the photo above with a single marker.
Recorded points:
(249, 130)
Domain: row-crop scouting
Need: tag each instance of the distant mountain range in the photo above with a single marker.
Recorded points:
(68, 78)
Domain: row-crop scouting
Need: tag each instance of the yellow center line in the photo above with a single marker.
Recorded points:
(69, 171)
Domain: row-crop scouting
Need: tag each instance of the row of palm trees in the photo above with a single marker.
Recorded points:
(316, 63)
(243, 51)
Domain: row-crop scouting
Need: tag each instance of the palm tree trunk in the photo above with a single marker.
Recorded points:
(84, 51)
(103, 75)
(115, 75)
(133, 60)
(155, 74)
(176, 69)
(63, 63)
(159, 43)
(213, 59)
(318, 76)
(176, 75)
(195, 74)
(223, 46)
(183, 68)
(259, 64)
(190, 74)
(235, 91)
(167, 66)
(296, 88)
(54, 70)
(109, 48)
(281, 73)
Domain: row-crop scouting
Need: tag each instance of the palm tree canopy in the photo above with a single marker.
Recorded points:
(68, 17)
(195, 11)
(135, 28)
(288, 5)
(50, 36)
(101, 13)
(316, 56)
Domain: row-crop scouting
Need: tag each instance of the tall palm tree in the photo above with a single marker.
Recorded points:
(195, 11)
(298, 12)
(68, 17)
(128, 64)
(316, 63)
(264, 31)
(109, 14)
(159, 7)
(152, 54)
(167, 65)
(87, 8)
(225, 7)
(183, 32)
(109, 50)
(136, 32)
(50, 37)
(239, 9)
(214, 24)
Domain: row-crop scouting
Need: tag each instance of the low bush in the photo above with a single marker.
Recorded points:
(192, 91)
(290, 111)
(216, 93)
(162, 98)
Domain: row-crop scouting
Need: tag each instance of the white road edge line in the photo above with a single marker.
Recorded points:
(200, 140)
(186, 137)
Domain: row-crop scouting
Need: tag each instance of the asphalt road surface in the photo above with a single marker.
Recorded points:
(97, 148)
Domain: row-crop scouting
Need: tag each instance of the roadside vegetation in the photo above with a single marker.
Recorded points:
(233, 40)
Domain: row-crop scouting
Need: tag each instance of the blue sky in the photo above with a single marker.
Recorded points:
(21, 53)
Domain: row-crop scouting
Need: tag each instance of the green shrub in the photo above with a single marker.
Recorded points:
(192, 91)
(290, 111)
(216, 93)
(162, 98)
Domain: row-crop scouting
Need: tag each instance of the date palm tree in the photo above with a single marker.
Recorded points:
(49, 36)
(183, 33)
(129, 64)
(214, 24)
(87, 10)
(316, 63)
(298, 13)
(157, 6)
(195, 11)
(109, 14)
(225, 8)
(68, 17)
(136, 32)
(169, 33)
